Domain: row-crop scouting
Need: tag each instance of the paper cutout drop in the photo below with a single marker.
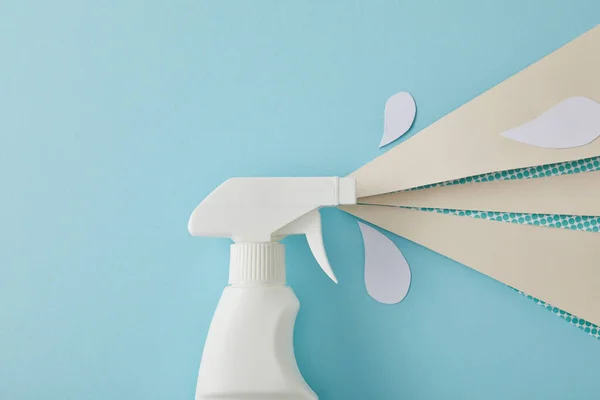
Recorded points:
(571, 123)
(399, 115)
(387, 274)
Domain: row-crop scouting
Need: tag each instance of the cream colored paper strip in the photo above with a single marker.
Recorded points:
(468, 141)
(572, 194)
(559, 266)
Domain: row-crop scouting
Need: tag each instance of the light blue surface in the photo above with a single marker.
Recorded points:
(117, 118)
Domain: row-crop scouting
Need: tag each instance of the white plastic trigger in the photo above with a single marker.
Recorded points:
(310, 225)
(315, 242)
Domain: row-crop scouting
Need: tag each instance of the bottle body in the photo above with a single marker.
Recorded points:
(249, 351)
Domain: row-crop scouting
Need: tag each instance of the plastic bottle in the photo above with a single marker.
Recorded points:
(249, 351)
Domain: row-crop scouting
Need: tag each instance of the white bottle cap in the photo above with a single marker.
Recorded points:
(252, 263)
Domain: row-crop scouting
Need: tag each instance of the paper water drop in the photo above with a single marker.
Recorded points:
(399, 115)
(573, 122)
(387, 274)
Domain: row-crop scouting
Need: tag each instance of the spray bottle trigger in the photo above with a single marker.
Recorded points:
(310, 225)
(315, 243)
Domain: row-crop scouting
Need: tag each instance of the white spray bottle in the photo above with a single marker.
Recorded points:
(249, 351)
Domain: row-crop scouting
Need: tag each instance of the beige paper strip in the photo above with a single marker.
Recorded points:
(561, 267)
(572, 194)
(467, 141)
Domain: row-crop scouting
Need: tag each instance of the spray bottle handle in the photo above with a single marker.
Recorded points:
(310, 225)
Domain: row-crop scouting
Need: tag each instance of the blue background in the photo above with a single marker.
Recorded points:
(117, 118)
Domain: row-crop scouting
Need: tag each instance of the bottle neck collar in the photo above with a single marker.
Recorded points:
(257, 264)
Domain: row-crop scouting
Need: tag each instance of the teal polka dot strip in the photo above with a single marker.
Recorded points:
(541, 171)
(588, 327)
(572, 222)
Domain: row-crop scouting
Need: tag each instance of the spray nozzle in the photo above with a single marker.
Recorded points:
(258, 210)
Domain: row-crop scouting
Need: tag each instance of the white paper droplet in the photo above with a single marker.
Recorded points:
(399, 115)
(573, 122)
(387, 274)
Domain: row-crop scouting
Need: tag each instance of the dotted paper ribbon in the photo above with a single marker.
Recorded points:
(572, 222)
(540, 171)
(586, 326)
